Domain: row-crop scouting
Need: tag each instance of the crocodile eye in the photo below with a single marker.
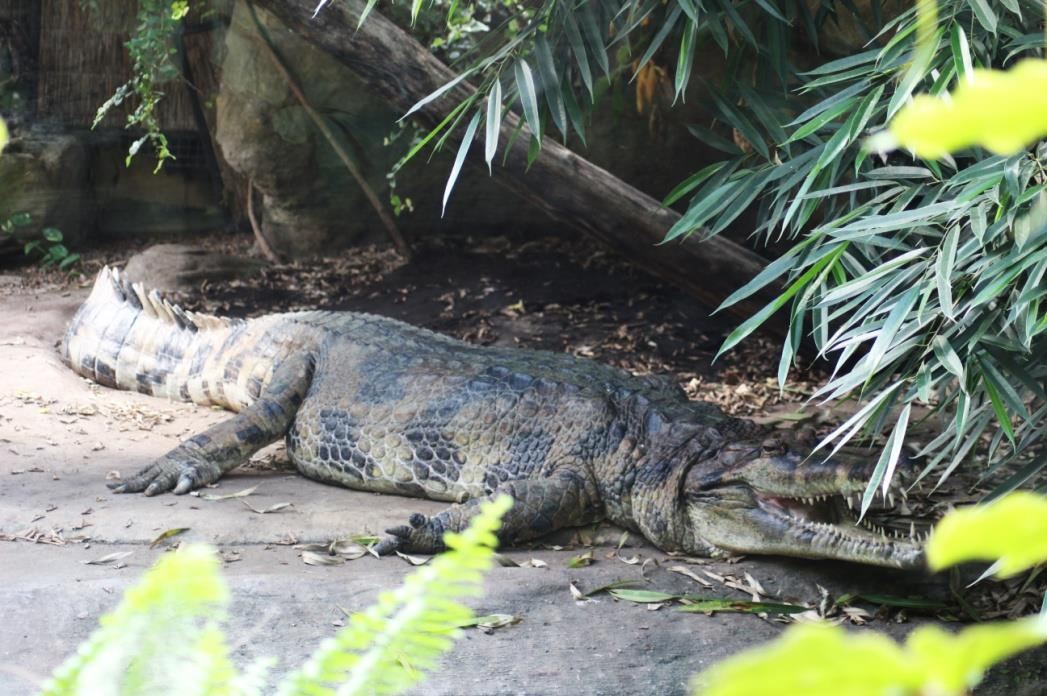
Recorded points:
(772, 446)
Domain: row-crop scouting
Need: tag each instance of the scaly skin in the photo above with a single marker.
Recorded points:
(374, 404)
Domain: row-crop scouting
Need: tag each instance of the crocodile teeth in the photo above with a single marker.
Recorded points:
(850, 502)
(890, 499)
(912, 530)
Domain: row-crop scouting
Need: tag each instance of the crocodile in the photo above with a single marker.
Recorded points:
(375, 404)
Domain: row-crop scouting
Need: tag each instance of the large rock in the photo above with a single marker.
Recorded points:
(311, 205)
(43, 176)
(182, 268)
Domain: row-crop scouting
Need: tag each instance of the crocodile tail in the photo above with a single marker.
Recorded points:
(127, 337)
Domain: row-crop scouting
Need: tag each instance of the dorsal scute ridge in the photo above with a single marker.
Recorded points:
(111, 285)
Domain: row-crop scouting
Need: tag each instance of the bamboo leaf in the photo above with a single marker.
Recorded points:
(494, 123)
(463, 149)
(984, 13)
(760, 317)
(574, 39)
(948, 357)
(528, 97)
(551, 84)
(435, 95)
(943, 271)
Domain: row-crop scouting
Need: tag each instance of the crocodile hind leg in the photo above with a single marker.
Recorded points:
(204, 458)
(567, 498)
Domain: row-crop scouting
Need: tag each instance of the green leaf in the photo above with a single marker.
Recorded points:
(494, 123)
(685, 59)
(574, 38)
(984, 13)
(885, 339)
(690, 183)
(997, 406)
(163, 623)
(416, 6)
(435, 95)
(943, 271)
(1001, 111)
(5, 137)
(760, 317)
(574, 112)
(367, 10)
(1011, 530)
(825, 660)
(463, 149)
(666, 28)
(528, 98)
(595, 37)
(709, 606)
(643, 596)
(818, 122)
(551, 84)
(948, 357)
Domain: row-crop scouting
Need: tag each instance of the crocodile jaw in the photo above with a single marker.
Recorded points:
(742, 520)
(791, 505)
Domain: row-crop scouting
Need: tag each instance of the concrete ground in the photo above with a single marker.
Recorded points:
(60, 436)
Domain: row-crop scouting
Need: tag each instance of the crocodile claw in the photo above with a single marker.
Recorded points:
(422, 536)
(177, 471)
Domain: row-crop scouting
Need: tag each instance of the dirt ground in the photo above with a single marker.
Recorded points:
(61, 437)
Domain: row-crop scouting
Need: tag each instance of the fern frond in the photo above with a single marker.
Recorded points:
(162, 638)
(386, 649)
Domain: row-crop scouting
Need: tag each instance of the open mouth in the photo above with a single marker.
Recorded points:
(888, 517)
(828, 526)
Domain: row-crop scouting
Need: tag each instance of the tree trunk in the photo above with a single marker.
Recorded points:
(567, 186)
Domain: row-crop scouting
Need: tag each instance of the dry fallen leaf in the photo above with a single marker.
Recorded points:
(316, 559)
(348, 549)
(272, 508)
(110, 558)
(415, 560)
(505, 561)
(578, 594)
(167, 534)
(535, 563)
(239, 494)
(682, 570)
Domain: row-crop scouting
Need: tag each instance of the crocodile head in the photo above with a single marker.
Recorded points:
(768, 497)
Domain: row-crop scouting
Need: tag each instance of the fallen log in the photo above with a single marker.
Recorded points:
(568, 187)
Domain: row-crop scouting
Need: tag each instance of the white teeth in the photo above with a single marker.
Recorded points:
(890, 499)
(850, 502)
(912, 530)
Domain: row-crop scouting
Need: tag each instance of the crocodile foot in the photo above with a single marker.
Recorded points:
(180, 471)
(424, 535)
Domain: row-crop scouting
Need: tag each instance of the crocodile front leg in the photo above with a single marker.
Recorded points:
(204, 458)
(567, 498)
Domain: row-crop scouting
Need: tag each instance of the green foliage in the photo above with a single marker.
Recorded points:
(825, 660)
(4, 135)
(165, 635)
(1012, 529)
(49, 247)
(152, 50)
(1002, 111)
